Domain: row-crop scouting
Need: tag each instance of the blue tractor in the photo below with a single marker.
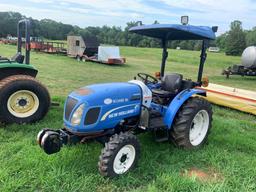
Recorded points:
(171, 107)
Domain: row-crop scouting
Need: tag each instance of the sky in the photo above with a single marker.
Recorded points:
(118, 12)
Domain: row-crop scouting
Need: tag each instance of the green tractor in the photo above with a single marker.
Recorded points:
(23, 99)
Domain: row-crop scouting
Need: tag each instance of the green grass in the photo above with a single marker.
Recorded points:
(229, 153)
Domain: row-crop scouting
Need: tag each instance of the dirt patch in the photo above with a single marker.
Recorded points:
(206, 176)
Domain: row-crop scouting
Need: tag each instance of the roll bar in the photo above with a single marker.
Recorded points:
(26, 22)
(205, 45)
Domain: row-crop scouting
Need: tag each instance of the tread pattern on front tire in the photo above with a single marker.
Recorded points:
(4, 83)
(180, 130)
(108, 153)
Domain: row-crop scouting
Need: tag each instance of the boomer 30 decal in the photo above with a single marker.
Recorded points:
(109, 101)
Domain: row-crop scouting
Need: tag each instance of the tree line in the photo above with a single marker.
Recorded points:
(232, 42)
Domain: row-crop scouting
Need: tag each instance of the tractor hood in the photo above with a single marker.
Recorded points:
(105, 105)
(102, 94)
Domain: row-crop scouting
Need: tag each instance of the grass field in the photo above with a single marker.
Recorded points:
(228, 160)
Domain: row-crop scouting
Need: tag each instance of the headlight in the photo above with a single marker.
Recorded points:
(77, 115)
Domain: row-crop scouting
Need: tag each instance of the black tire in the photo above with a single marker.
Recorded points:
(78, 58)
(15, 83)
(184, 120)
(116, 143)
(84, 59)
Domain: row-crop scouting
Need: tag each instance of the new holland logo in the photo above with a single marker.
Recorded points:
(108, 101)
(136, 107)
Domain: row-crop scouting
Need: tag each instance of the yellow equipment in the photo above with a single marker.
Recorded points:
(234, 98)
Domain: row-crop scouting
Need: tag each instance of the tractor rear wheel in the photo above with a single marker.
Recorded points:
(119, 155)
(192, 124)
(23, 99)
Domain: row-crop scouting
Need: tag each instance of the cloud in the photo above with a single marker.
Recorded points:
(41, 1)
(217, 12)
(118, 12)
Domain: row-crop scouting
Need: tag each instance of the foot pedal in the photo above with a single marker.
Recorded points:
(55, 104)
(161, 135)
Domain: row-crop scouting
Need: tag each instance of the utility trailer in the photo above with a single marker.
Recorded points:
(107, 55)
(247, 67)
(54, 47)
(88, 49)
(79, 46)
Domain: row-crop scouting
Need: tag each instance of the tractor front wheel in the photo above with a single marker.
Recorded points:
(119, 155)
(192, 124)
(22, 99)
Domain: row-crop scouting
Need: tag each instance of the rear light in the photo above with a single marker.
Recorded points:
(157, 75)
(205, 81)
(116, 60)
(111, 61)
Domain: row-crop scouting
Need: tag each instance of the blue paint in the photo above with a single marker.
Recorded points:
(175, 31)
(120, 95)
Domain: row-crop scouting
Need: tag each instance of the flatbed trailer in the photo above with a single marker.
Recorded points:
(110, 61)
(49, 47)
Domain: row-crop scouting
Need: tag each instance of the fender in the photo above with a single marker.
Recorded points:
(7, 70)
(177, 102)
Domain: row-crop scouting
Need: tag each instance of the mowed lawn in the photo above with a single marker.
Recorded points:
(227, 162)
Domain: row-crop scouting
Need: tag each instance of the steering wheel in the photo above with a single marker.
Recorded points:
(145, 78)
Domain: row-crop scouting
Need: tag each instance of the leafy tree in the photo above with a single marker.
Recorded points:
(251, 37)
(8, 23)
(235, 40)
(221, 41)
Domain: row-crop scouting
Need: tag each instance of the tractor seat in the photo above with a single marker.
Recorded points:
(171, 85)
(18, 58)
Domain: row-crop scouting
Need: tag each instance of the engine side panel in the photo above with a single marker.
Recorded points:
(146, 93)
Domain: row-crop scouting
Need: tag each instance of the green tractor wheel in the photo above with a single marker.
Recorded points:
(22, 99)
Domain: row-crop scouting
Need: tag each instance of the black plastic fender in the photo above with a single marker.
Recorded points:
(9, 71)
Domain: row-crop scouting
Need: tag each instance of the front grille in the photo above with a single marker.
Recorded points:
(92, 116)
(70, 104)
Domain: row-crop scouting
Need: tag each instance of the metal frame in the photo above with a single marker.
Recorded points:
(203, 56)
(27, 36)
